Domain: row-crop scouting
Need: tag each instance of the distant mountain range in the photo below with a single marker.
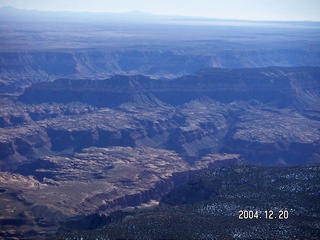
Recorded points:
(9, 12)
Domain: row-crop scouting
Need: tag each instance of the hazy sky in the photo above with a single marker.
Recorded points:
(235, 9)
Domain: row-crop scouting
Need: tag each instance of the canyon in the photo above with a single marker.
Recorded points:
(81, 147)
(107, 116)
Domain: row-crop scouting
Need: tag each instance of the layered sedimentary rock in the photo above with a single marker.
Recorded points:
(267, 85)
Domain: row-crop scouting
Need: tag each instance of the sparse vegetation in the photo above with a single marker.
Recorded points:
(215, 216)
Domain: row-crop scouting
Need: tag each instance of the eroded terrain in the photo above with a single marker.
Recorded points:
(106, 115)
(82, 147)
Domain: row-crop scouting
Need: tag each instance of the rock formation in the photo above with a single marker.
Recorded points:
(73, 148)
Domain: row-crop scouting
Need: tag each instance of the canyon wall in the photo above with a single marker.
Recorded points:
(21, 69)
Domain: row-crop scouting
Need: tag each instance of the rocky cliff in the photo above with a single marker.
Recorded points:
(265, 85)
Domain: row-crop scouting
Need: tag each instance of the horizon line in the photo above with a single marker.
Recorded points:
(177, 17)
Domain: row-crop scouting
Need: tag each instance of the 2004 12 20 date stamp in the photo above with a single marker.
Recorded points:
(266, 214)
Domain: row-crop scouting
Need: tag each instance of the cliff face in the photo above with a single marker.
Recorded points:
(266, 85)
